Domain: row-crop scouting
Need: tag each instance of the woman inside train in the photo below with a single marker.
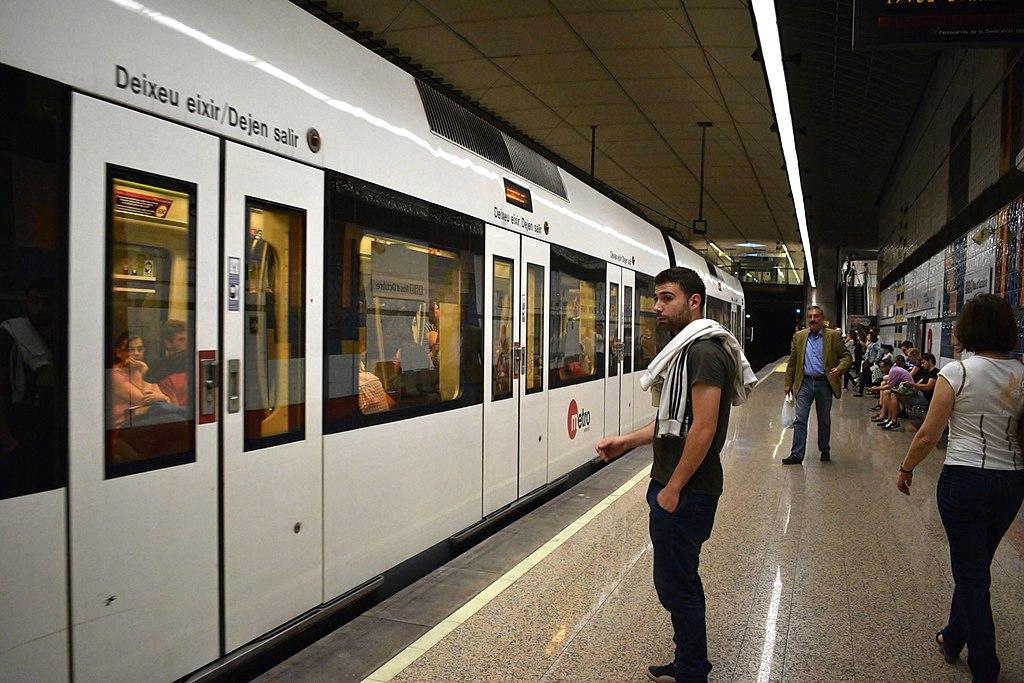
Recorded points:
(981, 487)
(134, 401)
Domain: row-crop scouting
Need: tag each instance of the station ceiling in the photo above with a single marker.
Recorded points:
(645, 72)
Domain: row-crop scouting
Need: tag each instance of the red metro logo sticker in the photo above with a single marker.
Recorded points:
(577, 419)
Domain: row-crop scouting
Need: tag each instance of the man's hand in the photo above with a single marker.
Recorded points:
(787, 390)
(611, 447)
(668, 499)
(834, 372)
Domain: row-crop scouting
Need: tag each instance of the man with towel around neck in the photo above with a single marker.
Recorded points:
(694, 381)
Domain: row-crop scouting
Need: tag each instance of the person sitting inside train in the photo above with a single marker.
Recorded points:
(135, 402)
(170, 372)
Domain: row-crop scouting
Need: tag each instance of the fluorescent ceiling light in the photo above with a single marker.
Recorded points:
(771, 51)
(788, 257)
(719, 250)
(750, 245)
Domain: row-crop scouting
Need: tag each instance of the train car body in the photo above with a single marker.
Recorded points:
(299, 335)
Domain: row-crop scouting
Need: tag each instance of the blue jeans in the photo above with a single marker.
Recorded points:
(677, 538)
(977, 507)
(819, 392)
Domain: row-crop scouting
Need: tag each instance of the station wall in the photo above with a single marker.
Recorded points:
(959, 154)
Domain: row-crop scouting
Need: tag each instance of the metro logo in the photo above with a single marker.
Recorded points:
(577, 419)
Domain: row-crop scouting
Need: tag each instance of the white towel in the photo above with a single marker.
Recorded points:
(666, 378)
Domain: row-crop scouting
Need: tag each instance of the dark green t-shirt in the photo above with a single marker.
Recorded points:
(708, 362)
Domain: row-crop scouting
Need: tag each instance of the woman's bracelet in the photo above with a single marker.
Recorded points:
(910, 471)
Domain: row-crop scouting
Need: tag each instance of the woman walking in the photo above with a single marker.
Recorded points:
(982, 482)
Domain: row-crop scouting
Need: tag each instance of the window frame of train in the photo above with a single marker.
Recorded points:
(569, 263)
(160, 185)
(40, 135)
(296, 430)
(354, 208)
(644, 284)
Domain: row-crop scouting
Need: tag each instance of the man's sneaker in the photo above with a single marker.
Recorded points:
(790, 460)
(662, 674)
(891, 426)
(883, 423)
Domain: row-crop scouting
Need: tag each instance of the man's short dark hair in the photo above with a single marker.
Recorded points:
(687, 279)
(885, 361)
(987, 323)
(888, 347)
(928, 357)
(170, 328)
(906, 344)
(816, 307)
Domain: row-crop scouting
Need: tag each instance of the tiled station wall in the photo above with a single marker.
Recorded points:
(989, 257)
(914, 203)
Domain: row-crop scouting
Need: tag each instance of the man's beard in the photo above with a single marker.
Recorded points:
(676, 325)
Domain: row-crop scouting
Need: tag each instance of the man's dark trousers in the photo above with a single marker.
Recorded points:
(677, 538)
(817, 391)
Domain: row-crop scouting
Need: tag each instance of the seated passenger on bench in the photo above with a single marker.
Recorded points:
(895, 375)
(920, 391)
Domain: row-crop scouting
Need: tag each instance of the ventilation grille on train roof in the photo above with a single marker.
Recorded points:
(454, 122)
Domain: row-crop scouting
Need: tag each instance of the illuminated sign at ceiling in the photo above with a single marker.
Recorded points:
(517, 195)
(894, 24)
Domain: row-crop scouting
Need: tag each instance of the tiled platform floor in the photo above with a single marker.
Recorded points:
(820, 572)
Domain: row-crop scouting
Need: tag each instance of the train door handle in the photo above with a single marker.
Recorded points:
(208, 379)
(233, 370)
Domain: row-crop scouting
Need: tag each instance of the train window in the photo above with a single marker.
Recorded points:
(33, 285)
(534, 328)
(502, 320)
(647, 335)
(577, 317)
(275, 325)
(403, 321)
(613, 328)
(150, 393)
(627, 330)
(718, 310)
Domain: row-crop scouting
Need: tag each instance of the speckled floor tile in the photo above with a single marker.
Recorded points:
(820, 572)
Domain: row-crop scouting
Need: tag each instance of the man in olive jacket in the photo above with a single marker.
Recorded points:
(818, 358)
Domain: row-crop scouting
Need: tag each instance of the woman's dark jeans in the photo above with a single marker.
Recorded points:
(977, 506)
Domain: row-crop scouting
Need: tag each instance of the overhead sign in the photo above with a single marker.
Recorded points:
(895, 24)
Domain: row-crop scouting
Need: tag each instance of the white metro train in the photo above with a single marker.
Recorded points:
(276, 318)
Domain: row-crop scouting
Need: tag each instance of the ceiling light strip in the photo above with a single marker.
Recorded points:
(771, 51)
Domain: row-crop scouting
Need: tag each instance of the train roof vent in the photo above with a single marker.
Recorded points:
(532, 166)
(452, 121)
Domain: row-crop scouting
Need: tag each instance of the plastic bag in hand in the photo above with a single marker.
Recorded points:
(788, 411)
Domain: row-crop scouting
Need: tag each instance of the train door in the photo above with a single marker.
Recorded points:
(626, 418)
(142, 351)
(613, 383)
(502, 367)
(533, 404)
(272, 473)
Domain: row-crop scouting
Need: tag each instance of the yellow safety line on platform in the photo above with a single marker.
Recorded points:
(403, 659)
(781, 366)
